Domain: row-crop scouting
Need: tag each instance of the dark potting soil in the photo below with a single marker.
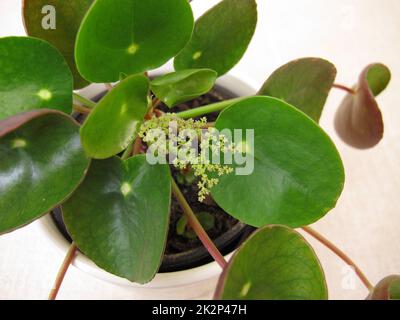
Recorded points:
(227, 232)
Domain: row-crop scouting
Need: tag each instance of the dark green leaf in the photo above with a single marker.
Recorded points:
(119, 216)
(181, 225)
(42, 162)
(33, 75)
(114, 123)
(131, 36)
(206, 219)
(298, 174)
(359, 120)
(387, 289)
(275, 263)
(181, 86)
(303, 83)
(68, 17)
(221, 37)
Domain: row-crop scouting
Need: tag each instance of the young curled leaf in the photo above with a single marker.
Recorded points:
(115, 121)
(303, 83)
(42, 163)
(387, 289)
(359, 119)
(181, 86)
(275, 263)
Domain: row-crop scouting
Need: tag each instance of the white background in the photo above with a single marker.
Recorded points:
(365, 224)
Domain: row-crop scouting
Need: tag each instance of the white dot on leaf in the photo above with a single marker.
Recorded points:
(245, 290)
(126, 188)
(197, 55)
(133, 48)
(124, 109)
(18, 143)
(44, 94)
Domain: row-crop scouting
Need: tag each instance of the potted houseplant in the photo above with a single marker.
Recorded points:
(111, 166)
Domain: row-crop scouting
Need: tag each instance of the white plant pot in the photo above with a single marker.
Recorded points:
(196, 283)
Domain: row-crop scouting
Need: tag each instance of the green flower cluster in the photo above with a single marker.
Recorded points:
(189, 143)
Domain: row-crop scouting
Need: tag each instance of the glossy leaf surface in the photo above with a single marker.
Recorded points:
(57, 21)
(131, 36)
(33, 75)
(297, 175)
(275, 263)
(42, 163)
(114, 122)
(221, 37)
(119, 216)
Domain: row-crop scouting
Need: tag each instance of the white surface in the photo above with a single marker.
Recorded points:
(350, 33)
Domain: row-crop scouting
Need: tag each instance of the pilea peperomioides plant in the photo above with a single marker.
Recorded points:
(115, 200)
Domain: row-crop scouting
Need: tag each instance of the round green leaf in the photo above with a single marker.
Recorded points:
(275, 263)
(359, 119)
(58, 25)
(298, 174)
(114, 222)
(303, 83)
(33, 75)
(387, 289)
(42, 162)
(131, 36)
(181, 86)
(114, 122)
(221, 37)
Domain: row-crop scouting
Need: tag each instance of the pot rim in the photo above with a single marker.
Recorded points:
(238, 85)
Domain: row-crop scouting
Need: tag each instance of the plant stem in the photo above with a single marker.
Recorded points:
(197, 227)
(341, 255)
(86, 102)
(81, 109)
(62, 272)
(127, 152)
(156, 103)
(344, 88)
(137, 146)
(201, 111)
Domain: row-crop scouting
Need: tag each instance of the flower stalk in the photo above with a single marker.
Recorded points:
(63, 271)
(197, 227)
(341, 255)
